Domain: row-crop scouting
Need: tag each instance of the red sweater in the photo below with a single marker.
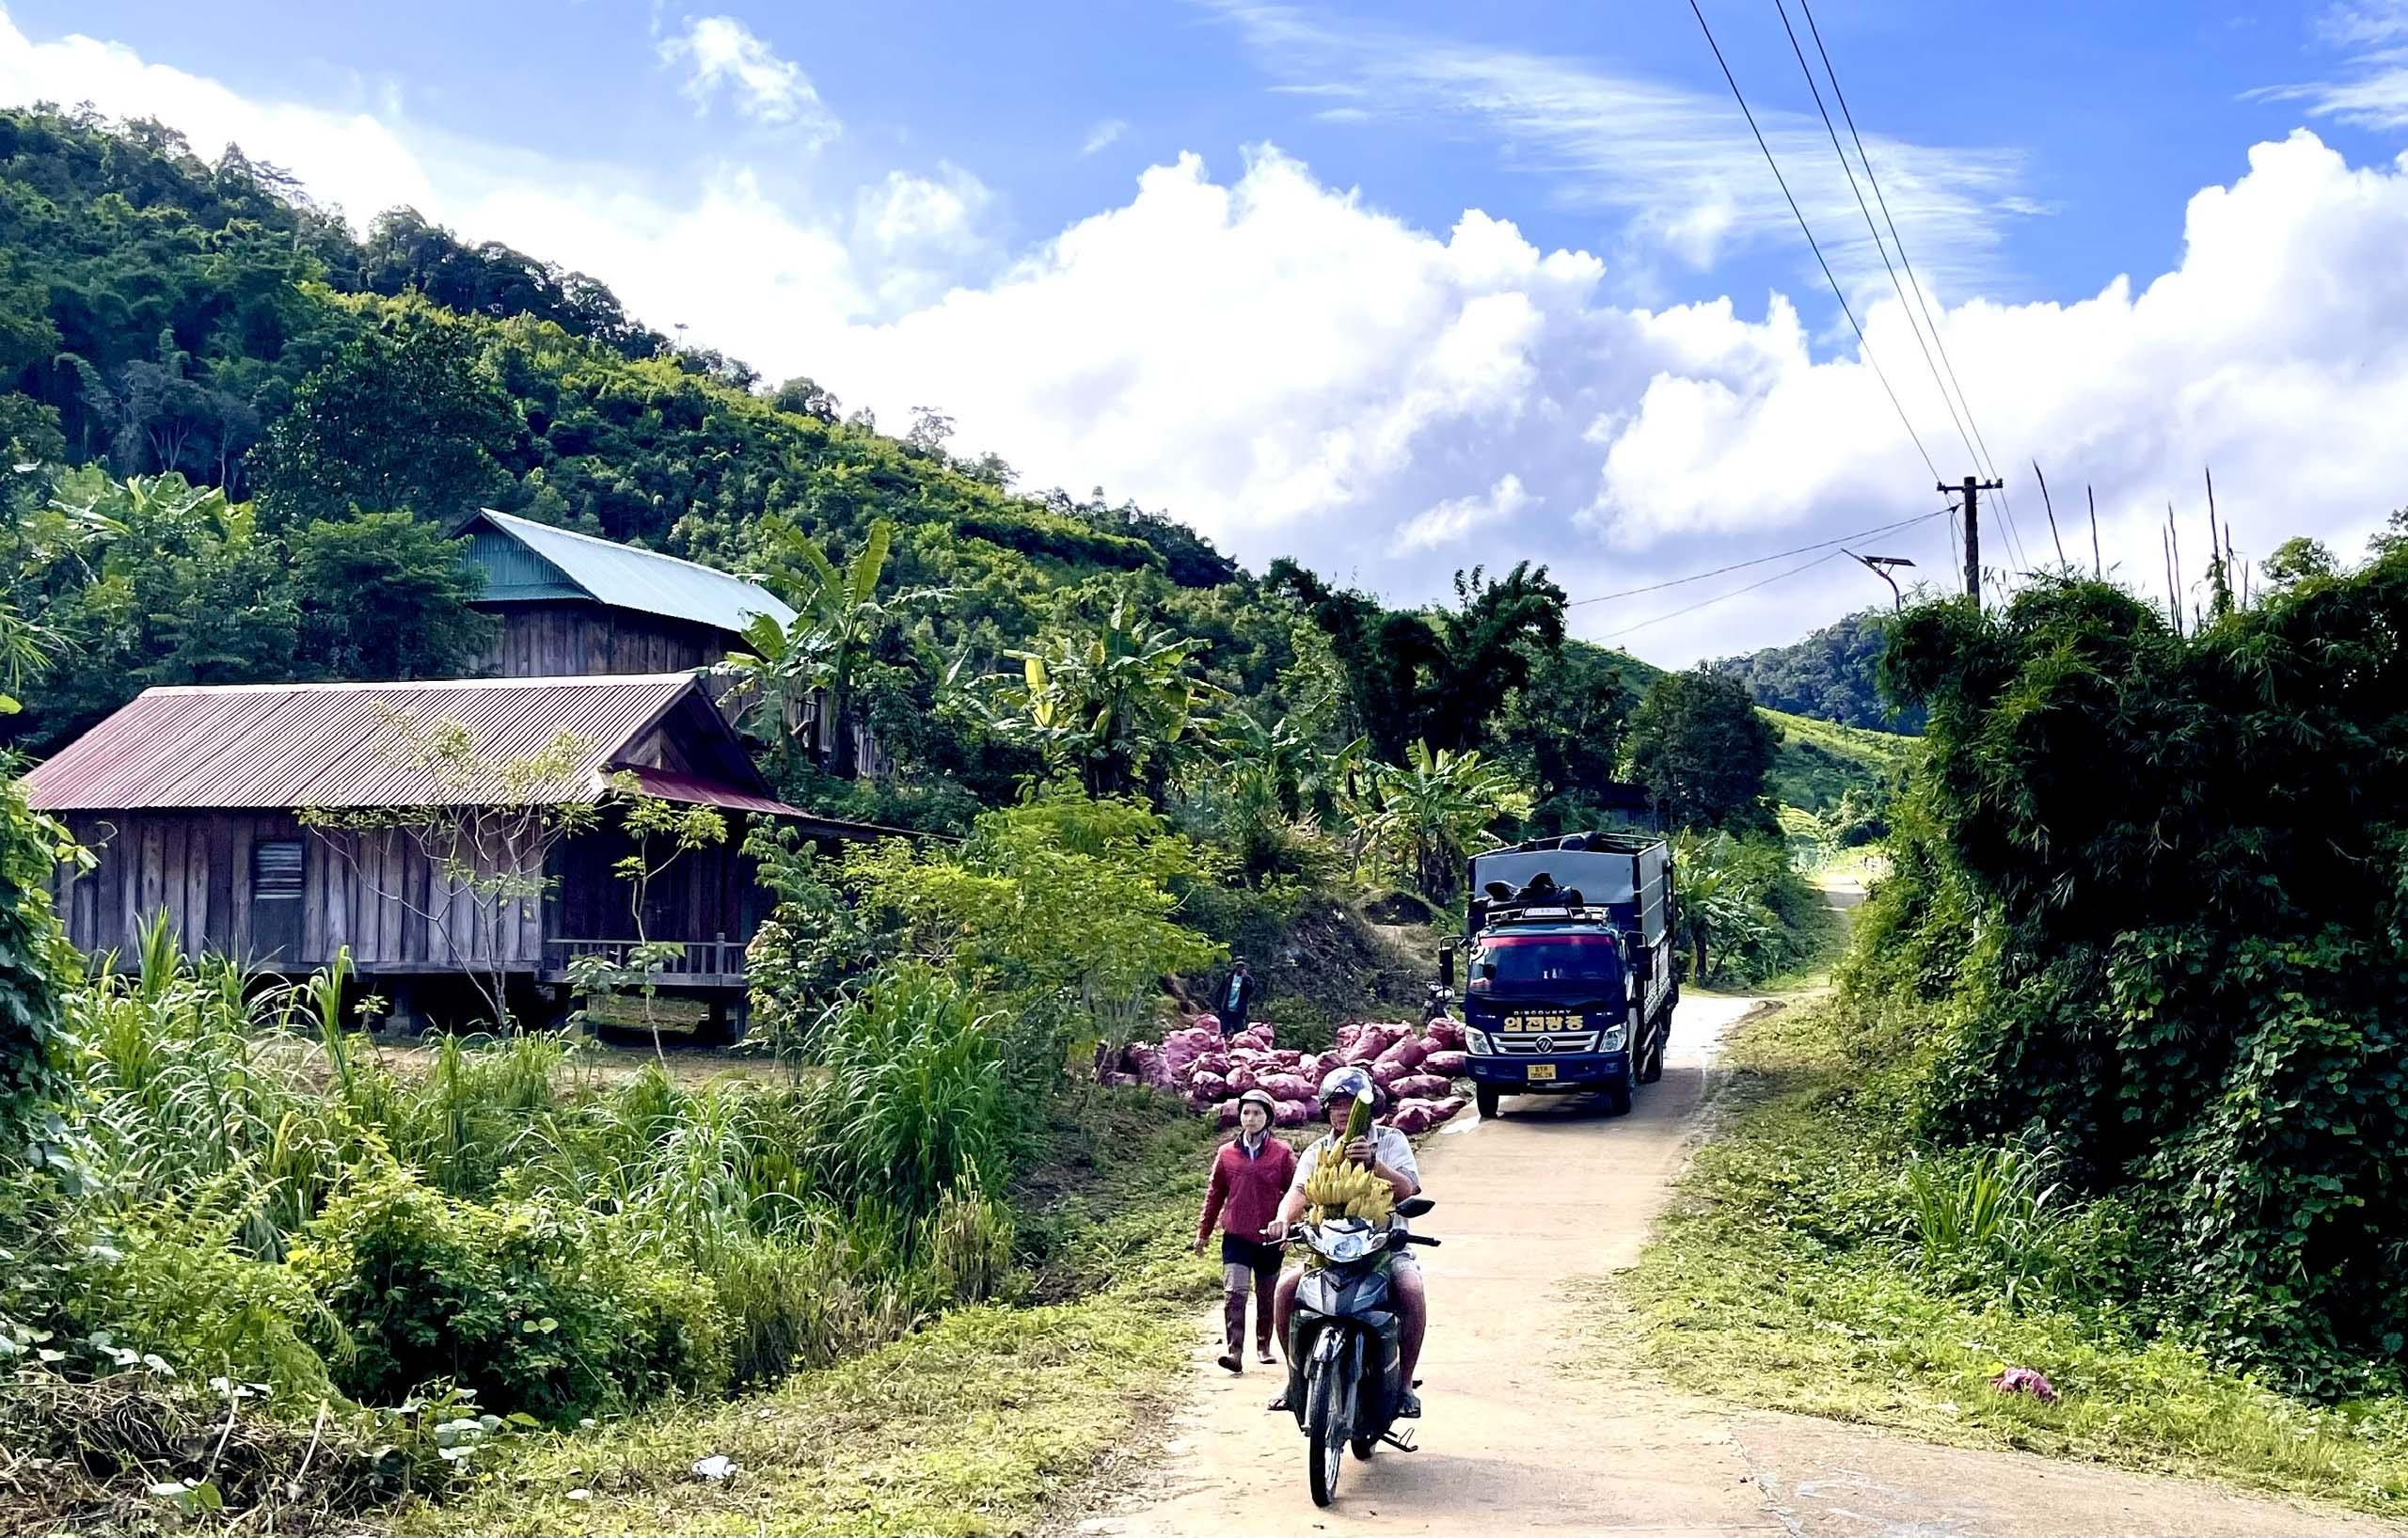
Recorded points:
(1247, 1189)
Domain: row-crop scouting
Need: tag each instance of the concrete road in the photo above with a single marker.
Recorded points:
(1517, 1437)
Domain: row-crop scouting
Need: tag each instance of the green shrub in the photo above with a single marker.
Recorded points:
(2150, 895)
(916, 1096)
(37, 965)
(533, 1308)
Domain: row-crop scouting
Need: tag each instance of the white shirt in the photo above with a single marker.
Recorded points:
(1388, 1145)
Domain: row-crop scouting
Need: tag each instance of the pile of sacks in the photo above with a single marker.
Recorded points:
(1415, 1065)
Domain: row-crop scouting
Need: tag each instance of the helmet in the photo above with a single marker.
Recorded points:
(1262, 1098)
(1347, 1083)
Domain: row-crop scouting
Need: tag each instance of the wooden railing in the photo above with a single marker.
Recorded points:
(716, 960)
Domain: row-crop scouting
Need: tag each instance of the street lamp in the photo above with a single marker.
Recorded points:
(1879, 565)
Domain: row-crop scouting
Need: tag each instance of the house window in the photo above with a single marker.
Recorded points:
(276, 868)
(276, 900)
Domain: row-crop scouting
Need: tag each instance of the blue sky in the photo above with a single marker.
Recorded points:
(1251, 262)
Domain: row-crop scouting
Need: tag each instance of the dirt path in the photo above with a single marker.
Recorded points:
(1516, 1442)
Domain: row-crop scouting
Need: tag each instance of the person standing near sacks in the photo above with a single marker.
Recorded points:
(1250, 1178)
(1235, 998)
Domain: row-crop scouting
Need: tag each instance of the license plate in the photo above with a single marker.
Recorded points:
(1540, 1072)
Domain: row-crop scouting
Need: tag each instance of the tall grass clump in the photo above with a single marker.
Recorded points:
(916, 1098)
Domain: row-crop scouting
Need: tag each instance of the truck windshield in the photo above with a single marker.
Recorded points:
(1523, 962)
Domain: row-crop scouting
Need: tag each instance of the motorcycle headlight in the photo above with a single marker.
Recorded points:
(1475, 1042)
(1342, 1244)
(1613, 1038)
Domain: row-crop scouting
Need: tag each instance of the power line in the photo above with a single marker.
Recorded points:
(1913, 281)
(1777, 555)
(1811, 243)
(1708, 603)
(1870, 228)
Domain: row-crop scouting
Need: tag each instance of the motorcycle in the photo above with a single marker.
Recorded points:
(1345, 1376)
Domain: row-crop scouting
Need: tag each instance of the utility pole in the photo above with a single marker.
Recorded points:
(1972, 489)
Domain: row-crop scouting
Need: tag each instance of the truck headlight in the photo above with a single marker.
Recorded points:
(1476, 1041)
(1613, 1038)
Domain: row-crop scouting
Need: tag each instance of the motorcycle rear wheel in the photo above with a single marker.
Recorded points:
(1327, 1395)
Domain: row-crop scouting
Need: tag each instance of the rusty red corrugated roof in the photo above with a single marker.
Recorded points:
(347, 745)
(665, 786)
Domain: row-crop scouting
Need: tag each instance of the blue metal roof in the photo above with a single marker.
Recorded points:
(569, 564)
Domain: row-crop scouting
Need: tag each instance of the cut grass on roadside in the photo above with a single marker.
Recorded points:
(1762, 1287)
(981, 1423)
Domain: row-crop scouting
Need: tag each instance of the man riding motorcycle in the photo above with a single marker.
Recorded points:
(1387, 1153)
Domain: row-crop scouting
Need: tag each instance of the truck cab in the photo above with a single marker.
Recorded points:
(1568, 981)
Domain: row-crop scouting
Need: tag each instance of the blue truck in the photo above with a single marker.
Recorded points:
(1569, 980)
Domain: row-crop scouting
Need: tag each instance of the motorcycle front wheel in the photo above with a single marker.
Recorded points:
(1328, 1396)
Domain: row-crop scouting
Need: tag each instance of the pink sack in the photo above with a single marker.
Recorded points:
(1226, 1113)
(1286, 1086)
(1147, 1062)
(1241, 1079)
(1445, 1034)
(1412, 1117)
(1347, 1034)
(1182, 1048)
(1211, 1087)
(1374, 1040)
(1386, 1074)
(1449, 1106)
(1419, 1086)
(1291, 1113)
(1448, 1064)
(1213, 1062)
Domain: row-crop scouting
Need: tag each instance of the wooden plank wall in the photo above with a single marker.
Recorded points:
(570, 639)
(378, 893)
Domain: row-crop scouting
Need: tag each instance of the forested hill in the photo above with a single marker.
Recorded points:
(1827, 676)
(163, 314)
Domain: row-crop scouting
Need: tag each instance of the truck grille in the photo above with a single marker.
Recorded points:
(1545, 1046)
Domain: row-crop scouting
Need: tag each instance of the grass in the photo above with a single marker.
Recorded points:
(987, 1421)
(1786, 1277)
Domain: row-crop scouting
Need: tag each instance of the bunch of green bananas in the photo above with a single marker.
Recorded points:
(1340, 1188)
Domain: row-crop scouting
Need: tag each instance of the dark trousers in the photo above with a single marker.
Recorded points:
(1245, 1261)
(1233, 1021)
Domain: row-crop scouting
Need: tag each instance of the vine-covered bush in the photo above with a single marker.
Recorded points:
(2164, 879)
(530, 1305)
(36, 966)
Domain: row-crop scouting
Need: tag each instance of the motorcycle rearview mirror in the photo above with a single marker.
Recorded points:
(1447, 966)
(1414, 1206)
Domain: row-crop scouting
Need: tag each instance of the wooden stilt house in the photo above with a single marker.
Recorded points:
(280, 824)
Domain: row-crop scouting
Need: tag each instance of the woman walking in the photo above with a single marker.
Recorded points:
(1250, 1176)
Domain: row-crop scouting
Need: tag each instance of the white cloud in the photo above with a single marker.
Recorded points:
(2372, 35)
(915, 235)
(1104, 135)
(723, 55)
(1296, 372)
(1451, 520)
(1680, 166)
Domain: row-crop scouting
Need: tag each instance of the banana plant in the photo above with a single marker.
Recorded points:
(1110, 706)
(1433, 806)
(839, 619)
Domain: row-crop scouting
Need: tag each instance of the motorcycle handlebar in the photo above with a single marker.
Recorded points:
(1419, 1239)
